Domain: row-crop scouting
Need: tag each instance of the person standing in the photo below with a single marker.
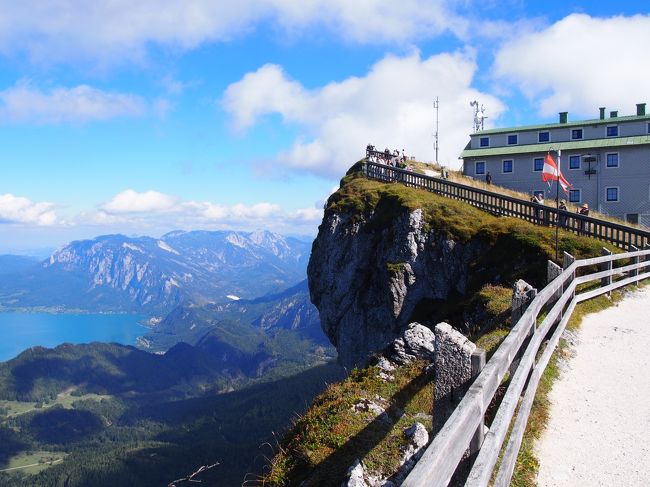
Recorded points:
(583, 210)
(488, 178)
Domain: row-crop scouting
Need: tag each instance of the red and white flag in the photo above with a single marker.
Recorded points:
(551, 172)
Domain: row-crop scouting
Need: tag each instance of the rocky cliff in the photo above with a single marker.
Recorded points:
(387, 255)
(367, 283)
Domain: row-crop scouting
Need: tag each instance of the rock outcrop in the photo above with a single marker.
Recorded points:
(368, 273)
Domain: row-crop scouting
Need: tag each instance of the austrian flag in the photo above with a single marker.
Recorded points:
(551, 172)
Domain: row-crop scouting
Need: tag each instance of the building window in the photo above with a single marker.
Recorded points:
(484, 142)
(538, 164)
(574, 195)
(513, 139)
(574, 162)
(543, 136)
(612, 159)
(649, 127)
(576, 134)
(611, 194)
(507, 165)
(479, 167)
(612, 131)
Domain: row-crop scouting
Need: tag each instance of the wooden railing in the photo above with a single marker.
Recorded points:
(622, 236)
(442, 457)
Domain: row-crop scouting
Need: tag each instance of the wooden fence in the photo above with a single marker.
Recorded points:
(557, 299)
(622, 236)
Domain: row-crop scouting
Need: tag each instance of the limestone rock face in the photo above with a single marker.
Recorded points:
(367, 275)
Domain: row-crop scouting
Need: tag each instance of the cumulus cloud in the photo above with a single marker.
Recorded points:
(121, 29)
(25, 103)
(580, 63)
(153, 206)
(392, 105)
(130, 201)
(16, 209)
(306, 215)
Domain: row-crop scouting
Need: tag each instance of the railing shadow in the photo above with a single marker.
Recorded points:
(330, 471)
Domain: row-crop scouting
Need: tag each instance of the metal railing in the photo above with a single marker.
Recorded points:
(442, 457)
(622, 236)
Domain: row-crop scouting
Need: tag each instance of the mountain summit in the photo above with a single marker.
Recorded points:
(116, 272)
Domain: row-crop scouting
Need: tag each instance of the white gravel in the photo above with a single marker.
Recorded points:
(598, 433)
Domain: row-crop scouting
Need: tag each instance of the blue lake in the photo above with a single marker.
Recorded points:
(19, 331)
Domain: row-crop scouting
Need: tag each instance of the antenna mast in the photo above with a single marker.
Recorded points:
(436, 105)
(479, 116)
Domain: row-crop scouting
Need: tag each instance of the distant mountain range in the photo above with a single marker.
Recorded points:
(144, 274)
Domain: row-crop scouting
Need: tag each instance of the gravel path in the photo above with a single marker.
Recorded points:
(598, 433)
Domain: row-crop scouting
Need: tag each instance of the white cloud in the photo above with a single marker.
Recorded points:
(391, 106)
(154, 212)
(305, 215)
(130, 201)
(122, 29)
(581, 63)
(24, 103)
(373, 21)
(156, 207)
(16, 209)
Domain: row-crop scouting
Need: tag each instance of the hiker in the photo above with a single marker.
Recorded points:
(538, 199)
(583, 210)
(488, 178)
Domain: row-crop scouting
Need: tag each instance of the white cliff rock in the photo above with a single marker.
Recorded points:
(367, 274)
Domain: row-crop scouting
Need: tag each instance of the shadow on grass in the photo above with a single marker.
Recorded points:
(331, 470)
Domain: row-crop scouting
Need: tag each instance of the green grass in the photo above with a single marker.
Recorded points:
(33, 462)
(66, 399)
(327, 439)
(380, 203)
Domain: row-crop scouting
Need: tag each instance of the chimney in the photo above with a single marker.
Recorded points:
(564, 116)
(602, 112)
(613, 114)
(640, 109)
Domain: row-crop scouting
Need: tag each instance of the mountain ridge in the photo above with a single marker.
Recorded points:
(120, 273)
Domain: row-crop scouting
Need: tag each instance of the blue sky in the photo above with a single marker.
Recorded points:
(244, 115)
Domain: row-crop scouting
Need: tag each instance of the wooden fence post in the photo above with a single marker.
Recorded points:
(552, 271)
(478, 362)
(606, 266)
(568, 259)
(635, 260)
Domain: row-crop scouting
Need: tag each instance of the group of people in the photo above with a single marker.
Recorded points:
(391, 158)
(562, 219)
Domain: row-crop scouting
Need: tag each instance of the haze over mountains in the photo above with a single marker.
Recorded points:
(144, 274)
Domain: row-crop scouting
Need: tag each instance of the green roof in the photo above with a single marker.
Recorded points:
(553, 146)
(548, 126)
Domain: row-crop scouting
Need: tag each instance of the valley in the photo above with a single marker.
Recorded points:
(231, 349)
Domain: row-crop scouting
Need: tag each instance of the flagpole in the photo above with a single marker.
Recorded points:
(557, 202)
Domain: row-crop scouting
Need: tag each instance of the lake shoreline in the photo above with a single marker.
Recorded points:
(26, 329)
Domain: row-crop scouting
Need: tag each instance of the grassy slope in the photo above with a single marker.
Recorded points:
(329, 437)
(325, 441)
